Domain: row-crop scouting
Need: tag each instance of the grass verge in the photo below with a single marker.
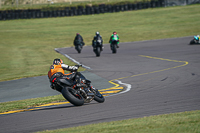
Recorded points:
(28, 103)
(185, 122)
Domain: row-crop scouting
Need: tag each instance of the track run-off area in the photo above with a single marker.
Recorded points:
(148, 78)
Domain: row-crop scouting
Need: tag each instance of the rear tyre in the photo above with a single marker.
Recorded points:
(72, 96)
(98, 50)
(79, 49)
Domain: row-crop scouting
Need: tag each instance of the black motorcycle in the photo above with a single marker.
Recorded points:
(97, 47)
(76, 88)
(114, 46)
(78, 46)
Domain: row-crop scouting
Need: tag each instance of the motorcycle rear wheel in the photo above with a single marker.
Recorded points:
(78, 48)
(98, 51)
(72, 96)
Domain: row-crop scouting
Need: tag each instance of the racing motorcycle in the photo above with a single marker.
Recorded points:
(78, 46)
(76, 88)
(114, 46)
(97, 47)
(195, 40)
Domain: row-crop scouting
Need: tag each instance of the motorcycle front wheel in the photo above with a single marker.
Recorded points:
(98, 96)
(114, 48)
(73, 96)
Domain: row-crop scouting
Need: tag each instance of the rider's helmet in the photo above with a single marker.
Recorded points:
(97, 33)
(114, 32)
(197, 35)
(77, 33)
(57, 61)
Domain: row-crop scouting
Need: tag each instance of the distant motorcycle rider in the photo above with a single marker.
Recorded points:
(78, 40)
(97, 37)
(57, 70)
(113, 37)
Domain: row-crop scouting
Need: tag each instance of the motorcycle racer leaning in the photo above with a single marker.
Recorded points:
(114, 36)
(57, 70)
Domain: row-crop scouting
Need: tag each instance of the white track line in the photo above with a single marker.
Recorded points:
(84, 66)
(128, 88)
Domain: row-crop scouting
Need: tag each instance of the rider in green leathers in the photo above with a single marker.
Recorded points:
(114, 36)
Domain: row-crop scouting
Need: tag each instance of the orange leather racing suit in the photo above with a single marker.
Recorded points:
(60, 68)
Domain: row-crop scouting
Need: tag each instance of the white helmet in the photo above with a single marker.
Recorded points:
(97, 33)
(197, 35)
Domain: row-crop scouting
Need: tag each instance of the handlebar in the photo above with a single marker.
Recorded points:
(79, 65)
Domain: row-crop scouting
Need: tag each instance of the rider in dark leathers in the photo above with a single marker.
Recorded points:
(78, 39)
(96, 37)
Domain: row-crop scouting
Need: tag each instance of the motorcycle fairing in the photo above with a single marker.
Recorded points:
(64, 81)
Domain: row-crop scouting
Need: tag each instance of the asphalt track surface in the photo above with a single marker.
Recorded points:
(163, 76)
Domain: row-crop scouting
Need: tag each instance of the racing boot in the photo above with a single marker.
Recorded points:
(52, 86)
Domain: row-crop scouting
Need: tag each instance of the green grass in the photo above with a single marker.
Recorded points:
(28, 103)
(185, 122)
(27, 46)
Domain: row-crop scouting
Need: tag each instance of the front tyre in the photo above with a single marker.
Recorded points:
(72, 96)
(114, 48)
(98, 96)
